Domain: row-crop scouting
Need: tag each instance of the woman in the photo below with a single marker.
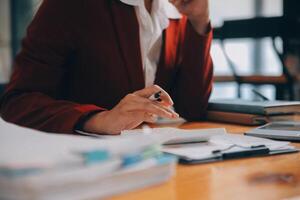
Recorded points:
(93, 64)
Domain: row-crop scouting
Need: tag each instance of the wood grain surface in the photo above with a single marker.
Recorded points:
(272, 177)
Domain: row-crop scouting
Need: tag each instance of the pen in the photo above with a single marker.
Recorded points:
(156, 97)
(260, 95)
(153, 97)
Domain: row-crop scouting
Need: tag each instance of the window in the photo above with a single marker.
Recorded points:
(10, 40)
(5, 61)
(250, 56)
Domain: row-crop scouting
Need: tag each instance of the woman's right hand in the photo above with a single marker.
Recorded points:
(131, 111)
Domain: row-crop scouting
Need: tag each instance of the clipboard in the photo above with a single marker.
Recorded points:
(223, 155)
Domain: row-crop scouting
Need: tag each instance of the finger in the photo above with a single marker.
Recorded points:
(161, 111)
(138, 118)
(138, 100)
(181, 5)
(150, 108)
(177, 2)
(133, 124)
(149, 91)
(167, 108)
(186, 1)
(150, 118)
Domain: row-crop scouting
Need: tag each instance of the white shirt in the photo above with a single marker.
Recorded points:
(151, 27)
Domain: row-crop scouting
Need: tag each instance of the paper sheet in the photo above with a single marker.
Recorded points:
(247, 141)
(166, 135)
(176, 135)
(226, 143)
(22, 147)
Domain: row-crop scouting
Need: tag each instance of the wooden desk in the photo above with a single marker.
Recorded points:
(274, 177)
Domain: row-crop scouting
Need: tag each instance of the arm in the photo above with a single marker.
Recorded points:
(35, 94)
(194, 78)
(33, 97)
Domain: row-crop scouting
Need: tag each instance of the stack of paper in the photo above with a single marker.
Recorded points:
(167, 136)
(207, 145)
(36, 165)
(227, 146)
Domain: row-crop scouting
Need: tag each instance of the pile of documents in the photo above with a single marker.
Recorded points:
(36, 165)
(210, 145)
(226, 147)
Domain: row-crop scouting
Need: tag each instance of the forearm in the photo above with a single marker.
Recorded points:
(39, 111)
(201, 24)
(194, 79)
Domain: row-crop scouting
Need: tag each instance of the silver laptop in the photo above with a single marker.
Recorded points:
(285, 130)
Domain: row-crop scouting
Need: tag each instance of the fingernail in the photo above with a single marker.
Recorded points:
(166, 104)
(175, 115)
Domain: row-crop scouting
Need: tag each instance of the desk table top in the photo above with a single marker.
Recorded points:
(273, 177)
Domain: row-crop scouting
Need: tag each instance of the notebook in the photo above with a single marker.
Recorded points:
(254, 107)
(246, 119)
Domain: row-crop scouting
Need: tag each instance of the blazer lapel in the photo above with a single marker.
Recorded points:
(127, 29)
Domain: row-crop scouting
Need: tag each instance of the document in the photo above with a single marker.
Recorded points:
(227, 144)
(169, 136)
(247, 141)
(27, 147)
(46, 166)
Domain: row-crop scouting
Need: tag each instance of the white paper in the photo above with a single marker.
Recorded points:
(26, 148)
(194, 151)
(225, 143)
(247, 141)
(23, 147)
(176, 135)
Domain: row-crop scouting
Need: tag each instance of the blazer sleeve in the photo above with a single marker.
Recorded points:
(33, 96)
(193, 84)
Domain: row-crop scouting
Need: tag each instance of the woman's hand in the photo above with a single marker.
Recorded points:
(131, 111)
(197, 12)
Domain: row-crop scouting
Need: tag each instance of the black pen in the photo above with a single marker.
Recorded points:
(260, 95)
(156, 97)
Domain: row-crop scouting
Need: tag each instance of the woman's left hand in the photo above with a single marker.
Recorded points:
(197, 12)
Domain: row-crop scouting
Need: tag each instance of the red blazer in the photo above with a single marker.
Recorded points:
(81, 56)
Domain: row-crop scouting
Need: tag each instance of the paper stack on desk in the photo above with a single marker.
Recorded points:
(227, 146)
(166, 136)
(207, 145)
(36, 165)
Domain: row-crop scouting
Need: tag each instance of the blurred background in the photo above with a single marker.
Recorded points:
(256, 45)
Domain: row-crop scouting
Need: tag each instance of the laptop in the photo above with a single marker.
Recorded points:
(284, 130)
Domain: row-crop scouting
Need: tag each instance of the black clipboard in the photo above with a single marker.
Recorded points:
(248, 153)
